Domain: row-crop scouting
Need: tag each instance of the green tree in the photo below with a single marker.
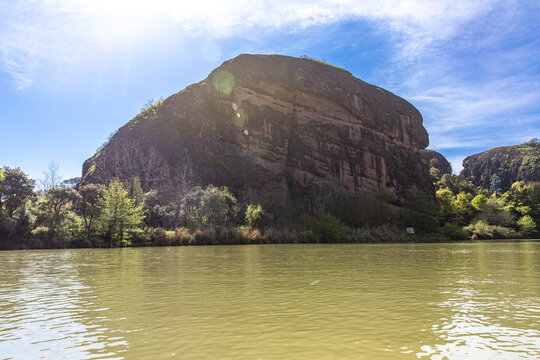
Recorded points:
(435, 174)
(524, 199)
(87, 205)
(450, 182)
(327, 227)
(446, 199)
(118, 213)
(15, 189)
(463, 209)
(479, 202)
(256, 217)
(211, 207)
(158, 215)
(494, 213)
(58, 202)
(526, 225)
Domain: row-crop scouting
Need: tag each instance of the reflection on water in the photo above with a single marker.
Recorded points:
(388, 301)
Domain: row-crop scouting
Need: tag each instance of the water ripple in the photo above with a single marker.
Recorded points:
(436, 301)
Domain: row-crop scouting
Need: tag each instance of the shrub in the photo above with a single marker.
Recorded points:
(526, 225)
(327, 227)
(454, 231)
(204, 237)
(180, 237)
(210, 207)
(481, 230)
(256, 217)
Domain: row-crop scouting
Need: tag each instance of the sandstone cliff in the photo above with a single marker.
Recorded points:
(509, 163)
(269, 125)
(437, 160)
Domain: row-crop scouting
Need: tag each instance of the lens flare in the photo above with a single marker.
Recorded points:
(238, 115)
(223, 82)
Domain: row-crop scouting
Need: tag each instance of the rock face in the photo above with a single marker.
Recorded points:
(437, 160)
(269, 125)
(509, 163)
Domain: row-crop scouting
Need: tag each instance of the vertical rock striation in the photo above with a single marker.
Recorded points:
(269, 125)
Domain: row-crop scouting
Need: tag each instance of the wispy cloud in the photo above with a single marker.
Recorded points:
(40, 35)
(471, 67)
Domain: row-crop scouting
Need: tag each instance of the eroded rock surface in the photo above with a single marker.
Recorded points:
(509, 163)
(437, 160)
(269, 125)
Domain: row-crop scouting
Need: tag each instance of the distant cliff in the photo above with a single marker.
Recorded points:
(269, 125)
(437, 160)
(509, 163)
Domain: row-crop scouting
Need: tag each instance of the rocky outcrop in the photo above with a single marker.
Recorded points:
(437, 160)
(269, 125)
(509, 163)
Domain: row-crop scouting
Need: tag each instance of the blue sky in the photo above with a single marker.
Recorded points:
(72, 72)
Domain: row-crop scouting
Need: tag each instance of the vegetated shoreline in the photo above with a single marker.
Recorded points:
(120, 213)
(424, 239)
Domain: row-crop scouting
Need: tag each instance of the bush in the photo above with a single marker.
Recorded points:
(210, 207)
(180, 237)
(256, 217)
(454, 231)
(138, 237)
(327, 228)
(204, 237)
(481, 230)
(526, 225)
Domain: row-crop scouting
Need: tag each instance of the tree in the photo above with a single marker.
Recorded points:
(156, 214)
(450, 182)
(446, 199)
(15, 189)
(211, 207)
(479, 202)
(526, 225)
(184, 178)
(435, 173)
(56, 206)
(524, 199)
(327, 227)
(118, 213)
(256, 217)
(463, 208)
(87, 206)
(495, 184)
(127, 158)
(135, 190)
(494, 213)
(51, 177)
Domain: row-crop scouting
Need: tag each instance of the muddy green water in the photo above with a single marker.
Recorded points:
(387, 301)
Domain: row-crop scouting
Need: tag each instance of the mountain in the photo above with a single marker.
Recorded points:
(509, 163)
(437, 160)
(272, 126)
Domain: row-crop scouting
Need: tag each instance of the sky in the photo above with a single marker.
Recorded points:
(74, 71)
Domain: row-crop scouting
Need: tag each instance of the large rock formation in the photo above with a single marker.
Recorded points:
(269, 125)
(437, 160)
(509, 163)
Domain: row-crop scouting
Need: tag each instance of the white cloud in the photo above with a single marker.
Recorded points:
(37, 35)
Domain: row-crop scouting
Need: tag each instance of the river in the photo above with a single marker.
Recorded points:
(476, 300)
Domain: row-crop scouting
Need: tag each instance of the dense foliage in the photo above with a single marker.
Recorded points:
(468, 211)
(120, 213)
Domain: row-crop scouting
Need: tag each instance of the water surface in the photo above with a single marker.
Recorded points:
(385, 301)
